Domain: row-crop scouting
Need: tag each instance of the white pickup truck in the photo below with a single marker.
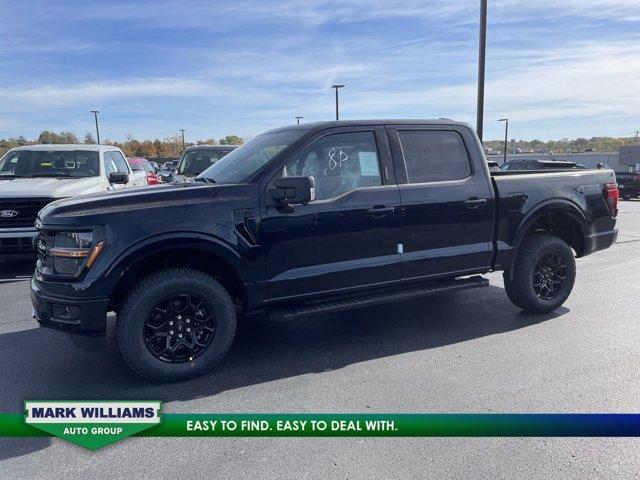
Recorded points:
(35, 175)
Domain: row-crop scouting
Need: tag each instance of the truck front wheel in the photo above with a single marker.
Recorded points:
(176, 324)
(543, 274)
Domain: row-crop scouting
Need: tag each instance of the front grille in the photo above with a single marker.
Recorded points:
(15, 245)
(16, 213)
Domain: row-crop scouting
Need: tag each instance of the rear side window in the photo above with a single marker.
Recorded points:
(434, 156)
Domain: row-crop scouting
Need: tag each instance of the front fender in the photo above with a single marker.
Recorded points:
(143, 249)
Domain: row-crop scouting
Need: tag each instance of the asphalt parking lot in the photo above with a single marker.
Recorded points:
(470, 351)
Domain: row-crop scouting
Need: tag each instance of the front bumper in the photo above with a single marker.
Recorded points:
(17, 243)
(84, 316)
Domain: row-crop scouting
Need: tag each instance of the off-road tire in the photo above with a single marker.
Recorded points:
(145, 296)
(519, 281)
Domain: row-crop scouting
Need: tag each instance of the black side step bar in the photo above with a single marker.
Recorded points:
(304, 310)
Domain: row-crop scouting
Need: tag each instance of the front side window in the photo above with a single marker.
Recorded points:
(109, 165)
(50, 163)
(338, 163)
(434, 155)
(118, 159)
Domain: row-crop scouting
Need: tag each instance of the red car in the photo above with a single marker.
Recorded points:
(137, 164)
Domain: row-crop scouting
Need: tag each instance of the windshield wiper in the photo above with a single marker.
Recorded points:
(13, 175)
(204, 179)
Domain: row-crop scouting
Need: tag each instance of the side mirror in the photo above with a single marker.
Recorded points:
(119, 177)
(288, 191)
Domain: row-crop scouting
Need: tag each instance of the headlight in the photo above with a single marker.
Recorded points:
(72, 251)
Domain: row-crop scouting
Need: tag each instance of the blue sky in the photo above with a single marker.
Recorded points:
(556, 68)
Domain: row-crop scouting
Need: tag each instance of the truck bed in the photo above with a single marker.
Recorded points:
(577, 191)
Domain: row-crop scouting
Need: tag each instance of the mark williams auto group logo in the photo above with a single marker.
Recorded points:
(92, 424)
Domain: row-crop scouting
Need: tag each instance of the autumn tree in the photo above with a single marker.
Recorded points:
(231, 140)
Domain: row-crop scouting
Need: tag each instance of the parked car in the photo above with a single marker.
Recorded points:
(196, 159)
(143, 165)
(629, 184)
(310, 219)
(156, 167)
(35, 175)
(529, 164)
(166, 173)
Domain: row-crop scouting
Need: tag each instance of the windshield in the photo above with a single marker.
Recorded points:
(197, 161)
(244, 161)
(50, 163)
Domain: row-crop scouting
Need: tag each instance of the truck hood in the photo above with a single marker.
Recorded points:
(48, 187)
(114, 205)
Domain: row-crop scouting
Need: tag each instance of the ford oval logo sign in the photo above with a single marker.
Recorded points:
(8, 213)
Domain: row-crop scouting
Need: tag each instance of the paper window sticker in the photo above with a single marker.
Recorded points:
(368, 163)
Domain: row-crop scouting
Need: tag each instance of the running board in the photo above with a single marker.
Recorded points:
(336, 305)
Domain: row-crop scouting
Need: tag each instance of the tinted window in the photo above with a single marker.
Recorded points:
(432, 156)
(338, 163)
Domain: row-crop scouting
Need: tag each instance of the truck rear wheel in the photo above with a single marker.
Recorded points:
(176, 324)
(543, 274)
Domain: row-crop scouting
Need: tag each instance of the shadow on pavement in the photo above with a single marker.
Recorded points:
(16, 270)
(44, 364)
(16, 447)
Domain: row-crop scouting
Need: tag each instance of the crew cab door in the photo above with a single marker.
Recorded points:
(447, 201)
(347, 238)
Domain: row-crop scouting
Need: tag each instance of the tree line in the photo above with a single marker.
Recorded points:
(578, 145)
(169, 147)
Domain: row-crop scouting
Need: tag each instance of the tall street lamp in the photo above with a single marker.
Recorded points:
(481, 61)
(298, 119)
(506, 136)
(337, 87)
(182, 130)
(95, 116)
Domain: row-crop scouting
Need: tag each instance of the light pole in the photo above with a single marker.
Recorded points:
(182, 130)
(481, 61)
(337, 87)
(506, 136)
(95, 116)
(298, 119)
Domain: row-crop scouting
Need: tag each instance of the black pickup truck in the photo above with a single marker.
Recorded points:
(629, 184)
(309, 219)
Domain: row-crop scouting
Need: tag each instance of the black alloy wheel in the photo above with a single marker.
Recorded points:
(549, 276)
(179, 328)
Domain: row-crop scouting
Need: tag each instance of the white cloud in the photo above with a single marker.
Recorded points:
(57, 95)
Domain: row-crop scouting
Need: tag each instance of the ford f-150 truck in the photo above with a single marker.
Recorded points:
(309, 219)
(35, 175)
